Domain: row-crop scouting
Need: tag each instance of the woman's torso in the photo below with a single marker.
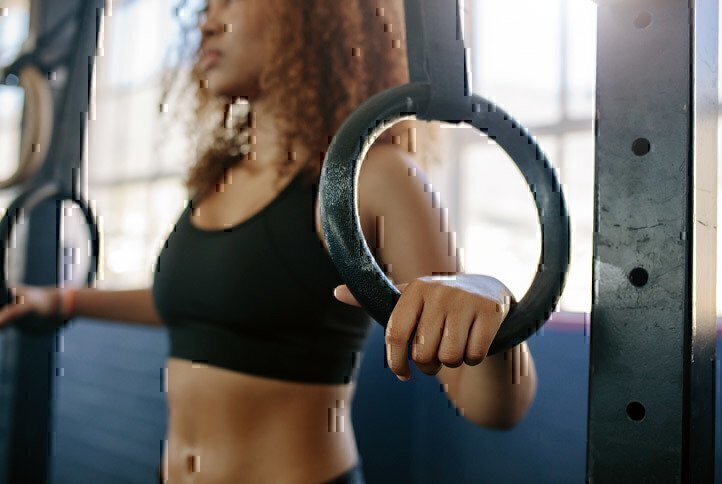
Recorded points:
(227, 426)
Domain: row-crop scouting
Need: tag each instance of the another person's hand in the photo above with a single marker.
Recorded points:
(41, 300)
(452, 319)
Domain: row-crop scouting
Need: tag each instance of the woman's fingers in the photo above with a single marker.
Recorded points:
(478, 343)
(440, 320)
(451, 323)
(343, 294)
(399, 329)
(24, 299)
(454, 341)
(425, 347)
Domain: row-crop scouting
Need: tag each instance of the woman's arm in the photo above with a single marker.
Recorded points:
(412, 239)
(133, 306)
(498, 392)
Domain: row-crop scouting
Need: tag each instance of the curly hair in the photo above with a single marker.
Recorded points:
(329, 57)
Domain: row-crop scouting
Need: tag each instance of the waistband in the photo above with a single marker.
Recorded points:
(352, 476)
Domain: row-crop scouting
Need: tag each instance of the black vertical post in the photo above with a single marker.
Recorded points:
(29, 358)
(652, 363)
(31, 424)
(30, 405)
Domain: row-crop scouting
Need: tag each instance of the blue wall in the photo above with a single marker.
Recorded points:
(111, 415)
(110, 405)
(547, 446)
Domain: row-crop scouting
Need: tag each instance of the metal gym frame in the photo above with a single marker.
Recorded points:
(653, 321)
(61, 46)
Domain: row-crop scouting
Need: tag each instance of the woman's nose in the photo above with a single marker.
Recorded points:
(209, 23)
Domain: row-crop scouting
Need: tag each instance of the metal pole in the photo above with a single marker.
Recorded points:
(652, 362)
(27, 388)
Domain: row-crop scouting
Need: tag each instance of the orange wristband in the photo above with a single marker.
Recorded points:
(67, 301)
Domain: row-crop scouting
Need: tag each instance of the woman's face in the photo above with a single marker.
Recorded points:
(233, 47)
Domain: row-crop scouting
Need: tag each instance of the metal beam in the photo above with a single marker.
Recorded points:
(652, 363)
(28, 359)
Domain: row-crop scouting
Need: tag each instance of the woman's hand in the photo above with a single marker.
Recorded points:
(454, 320)
(43, 301)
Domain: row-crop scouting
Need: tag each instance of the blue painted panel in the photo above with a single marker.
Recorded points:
(110, 409)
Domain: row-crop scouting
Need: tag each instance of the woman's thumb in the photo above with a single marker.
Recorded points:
(343, 294)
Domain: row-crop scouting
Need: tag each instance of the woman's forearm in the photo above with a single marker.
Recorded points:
(498, 392)
(132, 306)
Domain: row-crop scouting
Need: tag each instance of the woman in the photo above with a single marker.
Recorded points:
(263, 358)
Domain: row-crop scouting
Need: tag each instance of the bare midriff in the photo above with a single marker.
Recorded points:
(225, 426)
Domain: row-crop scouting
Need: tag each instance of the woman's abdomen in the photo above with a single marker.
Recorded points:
(227, 426)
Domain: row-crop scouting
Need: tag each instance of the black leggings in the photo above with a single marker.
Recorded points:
(352, 476)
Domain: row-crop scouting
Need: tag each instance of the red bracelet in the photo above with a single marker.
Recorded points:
(67, 301)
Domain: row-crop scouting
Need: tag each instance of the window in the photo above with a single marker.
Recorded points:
(135, 165)
(517, 61)
(537, 61)
(14, 25)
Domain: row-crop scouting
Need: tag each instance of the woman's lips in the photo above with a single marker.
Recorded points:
(209, 58)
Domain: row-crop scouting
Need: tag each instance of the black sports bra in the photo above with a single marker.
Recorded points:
(258, 297)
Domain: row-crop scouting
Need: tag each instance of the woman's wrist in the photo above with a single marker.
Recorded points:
(65, 305)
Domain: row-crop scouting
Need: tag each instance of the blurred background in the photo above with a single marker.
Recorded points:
(534, 58)
(540, 66)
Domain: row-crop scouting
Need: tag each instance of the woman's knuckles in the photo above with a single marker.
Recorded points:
(423, 355)
(475, 355)
(451, 359)
(472, 361)
(451, 349)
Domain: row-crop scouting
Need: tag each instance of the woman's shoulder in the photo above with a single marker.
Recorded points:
(389, 173)
(386, 162)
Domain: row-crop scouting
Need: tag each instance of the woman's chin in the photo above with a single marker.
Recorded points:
(219, 87)
(214, 86)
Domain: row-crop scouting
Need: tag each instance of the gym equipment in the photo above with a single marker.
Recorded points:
(439, 91)
(30, 70)
(26, 202)
(652, 359)
(37, 124)
(53, 53)
(61, 48)
(653, 318)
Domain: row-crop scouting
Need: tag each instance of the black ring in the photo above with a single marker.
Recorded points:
(39, 107)
(342, 228)
(27, 201)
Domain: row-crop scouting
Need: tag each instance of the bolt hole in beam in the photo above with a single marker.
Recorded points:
(641, 146)
(638, 277)
(643, 20)
(636, 411)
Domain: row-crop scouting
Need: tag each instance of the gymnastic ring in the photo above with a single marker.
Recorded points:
(27, 201)
(37, 125)
(344, 236)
